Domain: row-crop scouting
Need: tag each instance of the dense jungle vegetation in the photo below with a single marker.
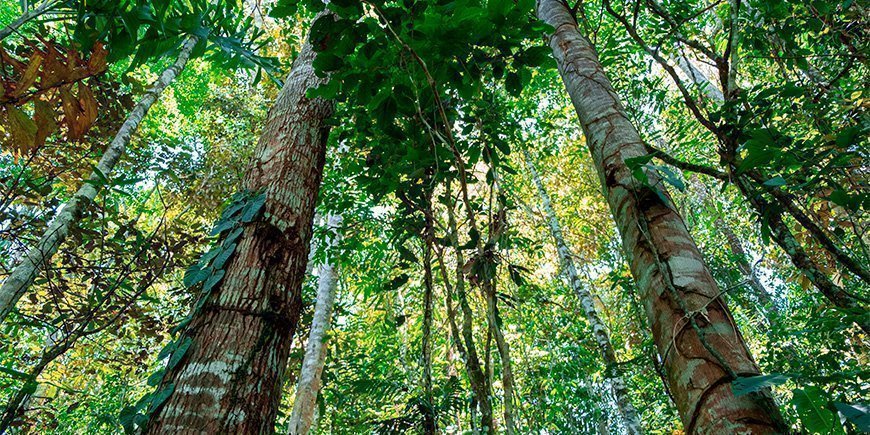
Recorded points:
(434, 216)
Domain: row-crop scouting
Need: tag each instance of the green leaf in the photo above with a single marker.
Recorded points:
(857, 413)
(168, 349)
(225, 255)
(252, 208)
(222, 226)
(750, 384)
(212, 281)
(160, 397)
(232, 236)
(775, 182)
(195, 275)
(816, 417)
(179, 353)
(155, 378)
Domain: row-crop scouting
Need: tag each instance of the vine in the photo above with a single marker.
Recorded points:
(245, 207)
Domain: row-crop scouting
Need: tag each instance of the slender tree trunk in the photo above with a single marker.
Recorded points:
(783, 236)
(699, 79)
(630, 417)
(782, 197)
(27, 16)
(477, 374)
(702, 351)
(746, 269)
(801, 260)
(230, 379)
(737, 251)
(305, 405)
(429, 420)
(29, 267)
(504, 353)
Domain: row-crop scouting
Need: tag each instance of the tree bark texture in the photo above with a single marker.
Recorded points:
(230, 379)
(29, 267)
(701, 349)
(304, 407)
(630, 417)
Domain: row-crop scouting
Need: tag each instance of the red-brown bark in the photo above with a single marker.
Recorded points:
(701, 349)
(231, 377)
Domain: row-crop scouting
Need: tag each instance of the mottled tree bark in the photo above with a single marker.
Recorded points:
(70, 213)
(630, 417)
(304, 407)
(231, 377)
(701, 349)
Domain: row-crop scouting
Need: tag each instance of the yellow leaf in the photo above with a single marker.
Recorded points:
(22, 130)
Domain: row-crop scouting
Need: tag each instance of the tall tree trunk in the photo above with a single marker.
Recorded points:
(230, 379)
(504, 354)
(429, 421)
(630, 417)
(27, 16)
(477, 373)
(702, 351)
(304, 407)
(29, 267)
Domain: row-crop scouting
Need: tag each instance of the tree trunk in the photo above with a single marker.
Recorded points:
(701, 348)
(429, 421)
(22, 276)
(304, 407)
(27, 16)
(477, 375)
(230, 379)
(630, 417)
(504, 354)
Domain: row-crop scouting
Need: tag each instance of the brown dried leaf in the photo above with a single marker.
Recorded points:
(45, 121)
(89, 106)
(97, 61)
(29, 76)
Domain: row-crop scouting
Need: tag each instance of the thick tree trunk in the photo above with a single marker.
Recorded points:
(27, 16)
(304, 407)
(29, 267)
(630, 417)
(231, 377)
(701, 349)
